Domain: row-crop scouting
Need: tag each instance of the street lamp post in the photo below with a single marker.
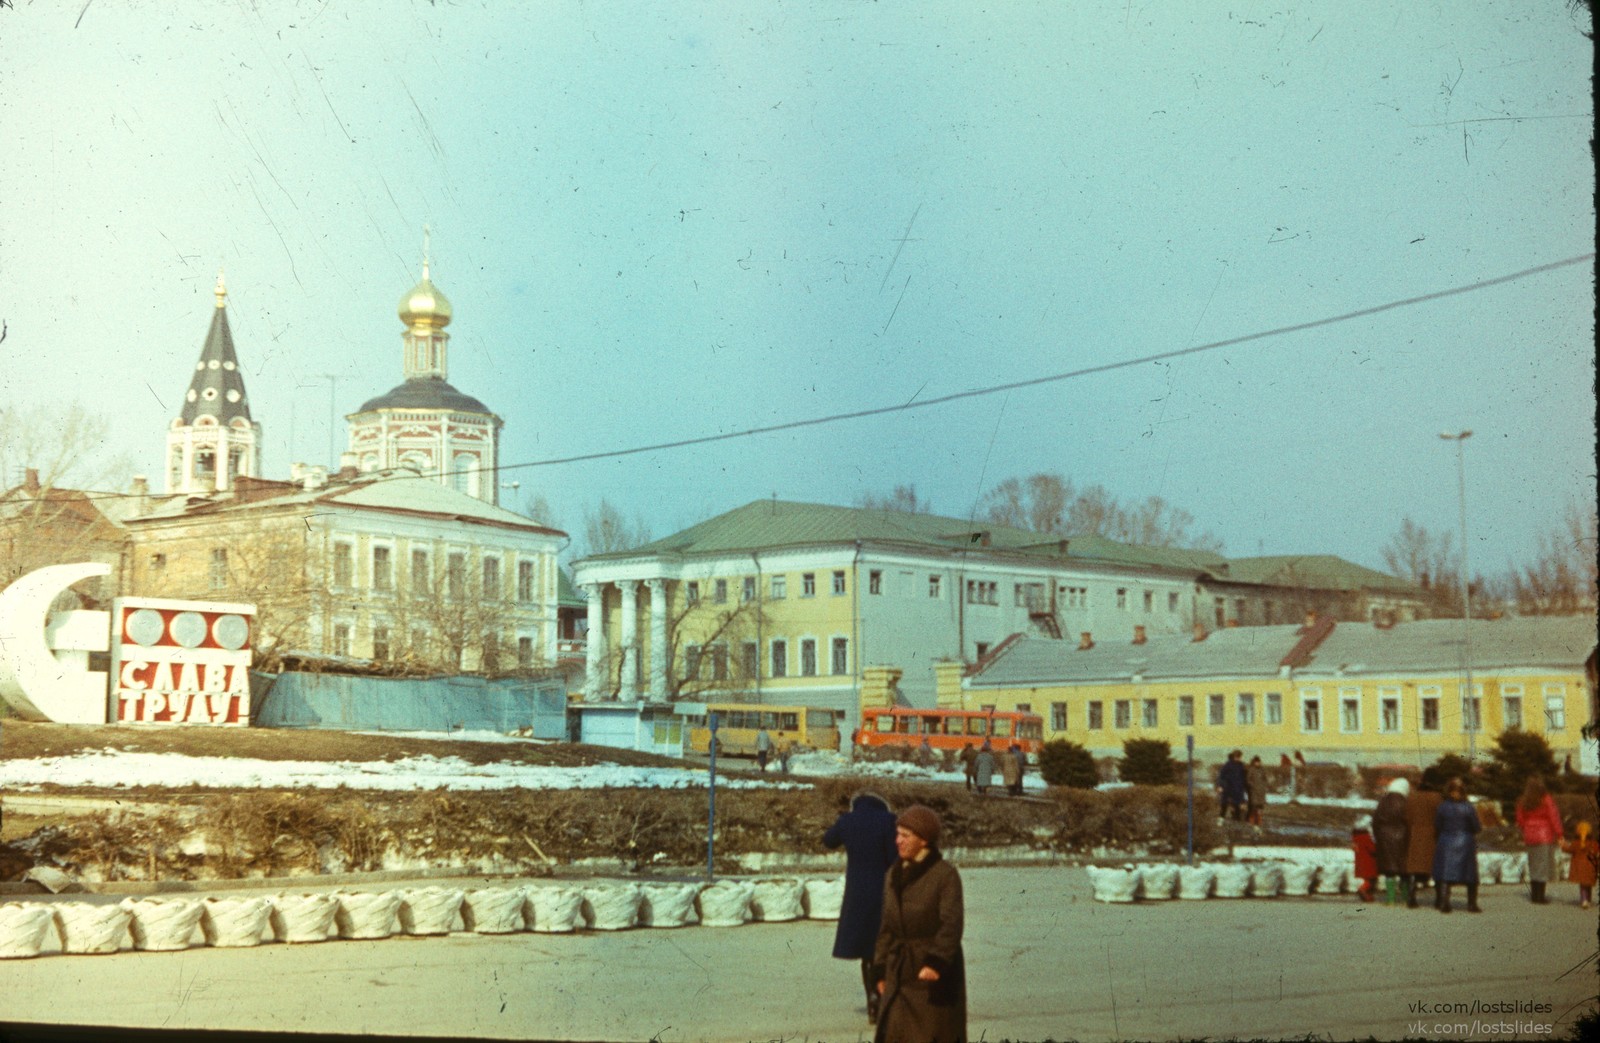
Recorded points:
(1469, 709)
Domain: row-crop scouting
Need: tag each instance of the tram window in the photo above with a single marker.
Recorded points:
(885, 724)
(1002, 726)
(930, 726)
(977, 726)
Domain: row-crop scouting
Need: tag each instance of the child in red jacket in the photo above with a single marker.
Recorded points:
(1585, 851)
(1366, 857)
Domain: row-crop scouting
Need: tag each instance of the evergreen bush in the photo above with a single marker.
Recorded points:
(1147, 762)
(1065, 763)
(1517, 756)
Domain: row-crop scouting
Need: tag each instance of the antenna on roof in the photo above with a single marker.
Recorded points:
(774, 503)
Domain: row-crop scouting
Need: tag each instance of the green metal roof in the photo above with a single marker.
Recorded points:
(1321, 571)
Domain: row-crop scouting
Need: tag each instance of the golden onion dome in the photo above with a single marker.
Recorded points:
(425, 305)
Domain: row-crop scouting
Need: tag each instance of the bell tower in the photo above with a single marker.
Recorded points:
(213, 440)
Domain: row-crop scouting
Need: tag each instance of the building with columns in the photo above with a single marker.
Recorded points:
(790, 603)
(424, 423)
(213, 440)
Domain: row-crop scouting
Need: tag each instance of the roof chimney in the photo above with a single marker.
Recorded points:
(1199, 631)
(1085, 641)
(1138, 634)
(30, 480)
(140, 491)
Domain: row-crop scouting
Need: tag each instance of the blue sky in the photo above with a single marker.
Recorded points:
(660, 221)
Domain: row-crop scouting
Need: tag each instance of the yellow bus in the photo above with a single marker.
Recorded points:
(738, 724)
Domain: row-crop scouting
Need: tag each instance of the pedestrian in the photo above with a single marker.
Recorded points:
(1540, 823)
(920, 966)
(1011, 772)
(763, 748)
(785, 752)
(865, 829)
(1231, 781)
(1366, 853)
(925, 755)
(969, 764)
(1256, 785)
(1392, 837)
(983, 768)
(1022, 767)
(1421, 806)
(1455, 851)
(1585, 851)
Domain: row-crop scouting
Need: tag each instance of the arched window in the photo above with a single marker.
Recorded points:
(464, 474)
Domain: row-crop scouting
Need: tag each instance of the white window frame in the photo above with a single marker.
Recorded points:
(1430, 693)
(1150, 713)
(1122, 714)
(1390, 694)
(810, 642)
(1512, 694)
(936, 587)
(747, 589)
(1122, 597)
(835, 669)
(527, 591)
(344, 554)
(1172, 601)
(778, 587)
(1472, 710)
(778, 649)
(1058, 717)
(1216, 709)
(1311, 698)
(875, 581)
(1185, 711)
(492, 563)
(838, 585)
(423, 584)
(1244, 710)
(719, 592)
(1094, 715)
(340, 637)
(1272, 708)
(808, 584)
(1555, 706)
(1347, 696)
(386, 586)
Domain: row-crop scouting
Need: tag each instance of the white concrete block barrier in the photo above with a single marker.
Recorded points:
(778, 901)
(726, 903)
(86, 928)
(1114, 885)
(366, 915)
(234, 923)
(824, 898)
(430, 910)
(493, 910)
(163, 924)
(22, 930)
(669, 905)
(611, 907)
(303, 918)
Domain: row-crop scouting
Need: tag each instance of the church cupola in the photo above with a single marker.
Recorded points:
(213, 440)
(426, 312)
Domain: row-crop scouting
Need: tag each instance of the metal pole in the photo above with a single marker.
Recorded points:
(711, 813)
(1189, 742)
(1469, 719)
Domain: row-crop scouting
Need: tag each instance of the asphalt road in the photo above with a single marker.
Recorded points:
(1045, 962)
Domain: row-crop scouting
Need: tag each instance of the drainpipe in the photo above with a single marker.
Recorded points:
(760, 599)
(857, 630)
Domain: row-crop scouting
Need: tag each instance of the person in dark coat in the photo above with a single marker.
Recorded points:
(1455, 851)
(1256, 784)
(983, 768)
(1232, 786)
(969, 764)
(866, 832)
(1021, 761)
(1390, 833)
(920, 966)
(1421, 806)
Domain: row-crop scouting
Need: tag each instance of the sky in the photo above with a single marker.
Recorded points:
(666, 221)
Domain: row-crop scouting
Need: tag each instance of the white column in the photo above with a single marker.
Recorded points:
(594, 642)
(628, 691)
(222, 457)
(658, 638)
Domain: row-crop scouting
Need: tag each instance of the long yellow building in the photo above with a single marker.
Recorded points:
(1355, 693)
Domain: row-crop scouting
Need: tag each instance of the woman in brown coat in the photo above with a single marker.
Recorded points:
(919, 964)
(1420, 809)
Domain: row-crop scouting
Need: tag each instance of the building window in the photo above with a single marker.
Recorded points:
(344, 564)
(982, 592)
(419, 642)
(780, 658)
(1555, 707)
(1149, 601)
(421, 576)
(1428, 702)
(1274, 708)
(1311, 711)
(382, 569)
(455, 574)
(1247, 708)
(748, 593)
(933, 586)
(1122, 713)
(380, 642)
(840, 653)
(1151, 714)
(719, 662)
(1472, 712)
(1388, 709)
(778, 587)
(1220, 608)
(218, 573)
(341, 639)
(808, 584)
(158, 561)
(808, 657)
(691, 592)
(719, 592)
(838, 583)
(1172, 601)
(875, 581)
(1511, 704)
(1077, 597)
(1216, 709)
(1122, 597)
(524, 653)
(750, 658)
(1350, 710)
(981, 648)
(1097, 715)
(491, 578)
(1238, 611)
(1186, 711)
(524, 581)
(691, 662)
(1030, 596)
(1058, 717)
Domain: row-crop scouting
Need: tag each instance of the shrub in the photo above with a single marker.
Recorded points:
(1453, 766)
(1517, 756)
(1147, 762)
(1375, 780)
(1064, 763)
(1324, 780)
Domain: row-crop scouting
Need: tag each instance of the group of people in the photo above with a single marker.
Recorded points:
(978, 765)
(1412, 838)
(1242, 789)
(901, 917)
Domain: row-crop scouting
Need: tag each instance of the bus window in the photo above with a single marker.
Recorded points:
(885, 723)
(977, 726)
(789, 722)
(1002, 727)
(819, 718)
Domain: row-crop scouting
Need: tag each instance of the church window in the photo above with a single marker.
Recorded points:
(380, 642)
(344, 560)
(455, 574)
(205, 463)
(341, 639)
(525, 581)
(421, 576)
(525, 653)
(382, 569)
(491, 577)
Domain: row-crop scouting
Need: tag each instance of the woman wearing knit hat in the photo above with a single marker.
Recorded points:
(920, 968)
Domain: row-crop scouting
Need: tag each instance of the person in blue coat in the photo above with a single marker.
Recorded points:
(1232, 786)
(867, 833)
(1455, 851)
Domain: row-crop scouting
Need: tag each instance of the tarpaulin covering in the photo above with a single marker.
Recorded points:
(327, 700)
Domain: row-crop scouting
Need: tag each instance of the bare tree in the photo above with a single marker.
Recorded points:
(606, 530)
(904, 498)
(1050, 503)
(713, 647)
(1562, 578)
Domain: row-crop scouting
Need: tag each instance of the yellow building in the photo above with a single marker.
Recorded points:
(1355, 693)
